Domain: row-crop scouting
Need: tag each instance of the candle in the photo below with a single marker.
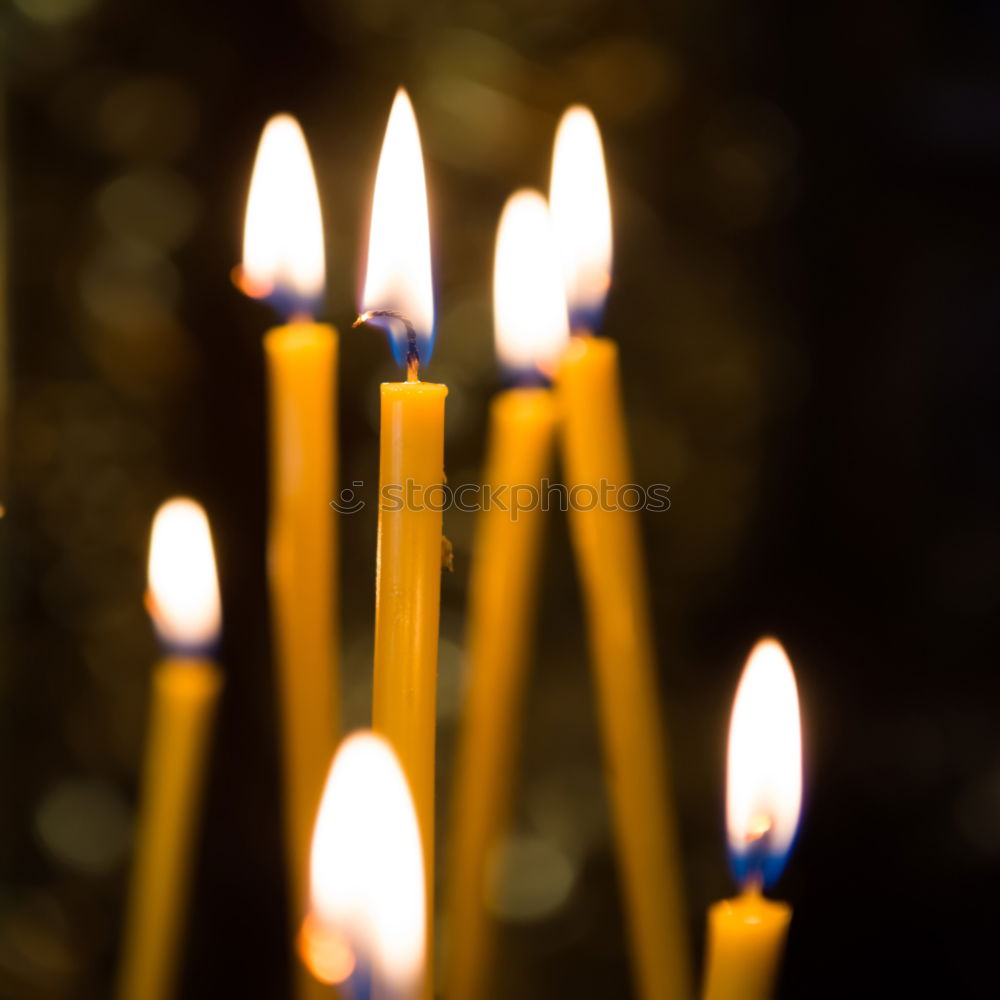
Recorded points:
(763, 800)
(398, 296)
(366, 927)
(283, 262)
(183, 600)
(531, 329)
(608, 550)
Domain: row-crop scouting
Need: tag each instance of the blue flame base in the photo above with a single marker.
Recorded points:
(405, 340)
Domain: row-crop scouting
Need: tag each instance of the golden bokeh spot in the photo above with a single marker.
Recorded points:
(325, 952)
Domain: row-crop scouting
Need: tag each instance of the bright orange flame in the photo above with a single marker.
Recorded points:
(581, 214)
(183, 596)
(283, 231)
(367, 877)
(764, 774)
(325, 952)
(398, 276)
(529, 302)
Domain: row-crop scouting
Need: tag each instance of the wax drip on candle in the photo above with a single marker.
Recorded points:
(412, 349)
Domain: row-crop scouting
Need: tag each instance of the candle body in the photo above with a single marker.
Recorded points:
(408, 595)
(184, 696)
(609, 558)
(746, 937)
(502, 598)
(302, 559)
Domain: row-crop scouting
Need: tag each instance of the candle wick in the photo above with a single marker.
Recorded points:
(412, 351)
(412, 354)
(758, 840)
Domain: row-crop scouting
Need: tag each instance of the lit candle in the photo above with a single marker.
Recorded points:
(531, 327)
(183, 600)
(746, 935)
(608, 550)
(283, 262)
(398, 296)
(365, 932)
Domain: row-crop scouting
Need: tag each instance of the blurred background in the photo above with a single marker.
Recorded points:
(805, 295)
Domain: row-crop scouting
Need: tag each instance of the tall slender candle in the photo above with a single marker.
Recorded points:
(746, 935)
(366, 928)
(183, 601)
(398, 296)
(531, 328)
(608, 550)
(283, 262)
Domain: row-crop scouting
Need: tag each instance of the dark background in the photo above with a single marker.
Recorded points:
(805, 295)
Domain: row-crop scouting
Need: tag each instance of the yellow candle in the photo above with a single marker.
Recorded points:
(609, 558)
(301, 366)
(531, 328)
(366, 924)
(284, 263)
(184, 601)
(408, 587)
(398, 296)
(746, 935)
(608, 550)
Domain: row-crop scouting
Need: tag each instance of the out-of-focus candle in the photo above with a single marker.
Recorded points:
(746, 935)
(284, 263)
(183, 600)
(531, 328)
(610, 562)
(398, 296)
(366, 925)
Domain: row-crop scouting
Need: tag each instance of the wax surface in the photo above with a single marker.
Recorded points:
(184, 696)
(408, 595)
(609, 559)
(746, 937)
(302, 563)
(502, 601)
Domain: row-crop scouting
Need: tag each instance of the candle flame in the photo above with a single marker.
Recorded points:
(529, 301)
(367, 878)
(283, 257)
(764, 774)
(183, 595)
(326, 952)
(581, 214)
(398, 275)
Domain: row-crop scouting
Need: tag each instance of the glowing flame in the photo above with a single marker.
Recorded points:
(183, 596)
(529, 302)
(367, 877)
(764, 774)
(581, 214)
(326, 952)
(283, 258)
(398, 276)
